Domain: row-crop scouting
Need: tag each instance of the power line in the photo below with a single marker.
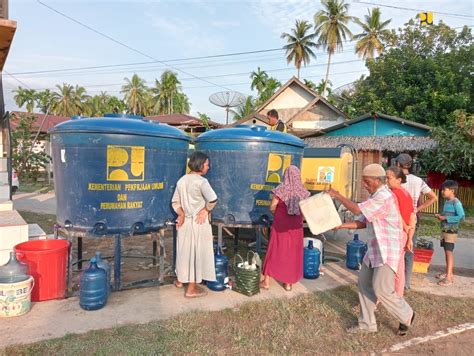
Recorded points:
(229, 74)
(123, 44)
(144, 63)
(411, 9)
(90, 70)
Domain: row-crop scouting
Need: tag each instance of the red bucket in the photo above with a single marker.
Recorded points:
(47, 260)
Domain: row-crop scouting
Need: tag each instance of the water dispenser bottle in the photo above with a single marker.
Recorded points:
(312, 258)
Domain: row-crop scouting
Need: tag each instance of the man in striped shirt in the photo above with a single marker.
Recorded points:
(381, 217)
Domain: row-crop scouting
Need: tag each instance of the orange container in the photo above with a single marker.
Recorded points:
(47, 260)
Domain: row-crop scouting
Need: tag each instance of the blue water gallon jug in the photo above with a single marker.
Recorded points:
(221, 263)
(355, 253)
(93, 287)
(312, 258)
(101, 263)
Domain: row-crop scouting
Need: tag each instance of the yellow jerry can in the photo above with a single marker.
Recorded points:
(322, 168)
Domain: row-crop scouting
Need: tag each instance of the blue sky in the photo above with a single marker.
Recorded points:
(180, 29)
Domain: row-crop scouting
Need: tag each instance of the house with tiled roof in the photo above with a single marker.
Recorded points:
(303, 110)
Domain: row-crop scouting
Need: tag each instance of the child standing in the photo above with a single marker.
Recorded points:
(450, 218)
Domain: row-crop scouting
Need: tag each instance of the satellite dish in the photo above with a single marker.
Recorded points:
(227, 100)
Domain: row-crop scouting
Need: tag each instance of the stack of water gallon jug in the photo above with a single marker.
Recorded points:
(95, 284)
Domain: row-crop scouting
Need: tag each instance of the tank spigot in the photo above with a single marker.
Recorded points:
(170, 222)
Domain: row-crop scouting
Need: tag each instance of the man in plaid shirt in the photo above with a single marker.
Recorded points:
(381, 217)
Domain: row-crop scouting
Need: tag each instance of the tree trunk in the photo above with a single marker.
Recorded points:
(327, 74)
(298, 72)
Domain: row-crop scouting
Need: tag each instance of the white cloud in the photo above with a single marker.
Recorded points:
(190, 35)
(280, 15)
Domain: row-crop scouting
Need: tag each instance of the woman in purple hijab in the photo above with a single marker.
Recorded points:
(284, 259)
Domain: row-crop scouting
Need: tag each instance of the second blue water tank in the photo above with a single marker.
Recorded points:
(246, 163)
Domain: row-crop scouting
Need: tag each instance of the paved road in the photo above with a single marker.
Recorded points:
(35, 202)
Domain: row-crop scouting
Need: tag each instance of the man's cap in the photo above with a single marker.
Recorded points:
(373, 170)
(404, 159)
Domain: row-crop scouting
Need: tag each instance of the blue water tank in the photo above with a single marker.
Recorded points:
(93, 291)
(101, 263)
(312, 257)
(355, 253)
(247, 162)
(221, 263)
(116, 174)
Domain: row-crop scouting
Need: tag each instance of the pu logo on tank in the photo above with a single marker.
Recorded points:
(125, 163)
(277, 163)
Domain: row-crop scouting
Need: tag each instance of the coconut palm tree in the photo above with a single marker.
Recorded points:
(135, 93)
(65, 102)
(181, 104)
(259, 80)
(245, 109)
(44, 100)
(25, 97)
(324, 86)
(310, 84)
(271, 87)
(300, 44)
(115, 105)
(331, 27)
(369, 40)
(165, 91)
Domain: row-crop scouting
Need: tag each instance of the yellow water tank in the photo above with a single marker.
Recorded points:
(322, 168)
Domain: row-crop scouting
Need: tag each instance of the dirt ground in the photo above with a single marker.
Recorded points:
(458, 344)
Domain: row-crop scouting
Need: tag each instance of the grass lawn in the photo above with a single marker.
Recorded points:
(45, 221)
(310, 323)
(36, 187)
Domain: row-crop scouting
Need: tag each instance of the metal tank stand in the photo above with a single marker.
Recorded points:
(161, 256)
(258, 234)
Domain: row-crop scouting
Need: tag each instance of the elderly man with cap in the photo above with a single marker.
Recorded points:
(417, 188)
(384, 229)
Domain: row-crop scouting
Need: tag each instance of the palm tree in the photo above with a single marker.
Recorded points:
(165, 91)
(135, 92)
(245, 109)
(115, 105)
(324, 86)
(205, 120)
(331, 27)
(310, 84)
(259, 80)
(25, 97)
(44, 100)
(80, 99)
(299, 44)
(181, 104)
(65, 102)
(271, 87)
(369, 41)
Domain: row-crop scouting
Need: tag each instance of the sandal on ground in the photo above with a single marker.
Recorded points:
(445, 282)
(440, 276)
(199, 293)
(178, 284)
(287, 287)
(264, 286)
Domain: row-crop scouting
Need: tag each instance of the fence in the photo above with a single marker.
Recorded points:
(465, 195)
